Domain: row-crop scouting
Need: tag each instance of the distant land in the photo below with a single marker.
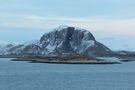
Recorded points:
(65, 44)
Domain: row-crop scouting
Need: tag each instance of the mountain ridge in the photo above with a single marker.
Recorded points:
(63, 39)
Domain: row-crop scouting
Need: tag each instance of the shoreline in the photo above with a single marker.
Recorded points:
(66, 61)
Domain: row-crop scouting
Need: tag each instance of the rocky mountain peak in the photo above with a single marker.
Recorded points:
(67, 39)
(63, 39)
(69, 32)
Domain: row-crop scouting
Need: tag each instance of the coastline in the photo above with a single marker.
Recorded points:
(77, 61)
(72, 59)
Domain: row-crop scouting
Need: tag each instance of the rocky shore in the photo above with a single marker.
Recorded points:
(69, 59)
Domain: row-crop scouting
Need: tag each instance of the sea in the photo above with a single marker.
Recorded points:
(23, 75)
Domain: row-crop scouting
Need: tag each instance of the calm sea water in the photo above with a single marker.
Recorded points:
(37, 76)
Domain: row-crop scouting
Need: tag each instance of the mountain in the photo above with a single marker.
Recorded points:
(4, 48)
(125, 55)
(64, 39)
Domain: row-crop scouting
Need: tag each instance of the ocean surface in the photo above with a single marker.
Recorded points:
(15, 75)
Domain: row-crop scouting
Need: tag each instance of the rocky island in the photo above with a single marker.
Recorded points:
(64, 44)
(65, 59)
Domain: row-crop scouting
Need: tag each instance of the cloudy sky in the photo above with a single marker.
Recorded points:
(111, 21)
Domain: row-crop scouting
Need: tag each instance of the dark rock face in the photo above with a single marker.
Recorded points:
(64, 39)
(72, 40)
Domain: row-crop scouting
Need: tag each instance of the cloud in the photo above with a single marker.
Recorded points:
(113, 32)
(106, 25)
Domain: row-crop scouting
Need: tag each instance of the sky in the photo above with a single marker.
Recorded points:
(112, 22)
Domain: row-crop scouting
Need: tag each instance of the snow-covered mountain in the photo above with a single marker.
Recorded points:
(64, 39)
(4, 48)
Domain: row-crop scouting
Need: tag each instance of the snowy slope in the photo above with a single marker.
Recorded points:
(4, 48)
